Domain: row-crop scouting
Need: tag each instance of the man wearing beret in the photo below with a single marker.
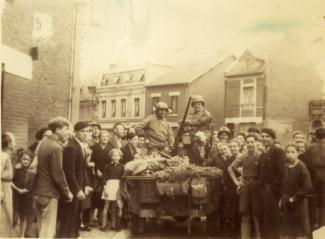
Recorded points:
(74, 166)
(271, 175)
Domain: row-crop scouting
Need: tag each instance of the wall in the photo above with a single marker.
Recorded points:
(52, 34)
(14, 117)
(164, 91)
(291, 82)
(211, 86)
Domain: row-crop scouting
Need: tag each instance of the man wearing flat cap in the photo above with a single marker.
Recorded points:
(74, 166)
(271, 175)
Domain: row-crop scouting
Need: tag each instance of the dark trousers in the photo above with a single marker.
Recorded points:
(270, 224)
(97, 203)
(70, 219)
(86, 217)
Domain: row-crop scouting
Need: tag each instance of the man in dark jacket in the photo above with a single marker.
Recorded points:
(271, 175)
(116, 141)
(74, 166)
(317, 162)
(50, 180)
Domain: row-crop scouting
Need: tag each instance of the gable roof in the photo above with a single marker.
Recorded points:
(188, 72)
(247, 64)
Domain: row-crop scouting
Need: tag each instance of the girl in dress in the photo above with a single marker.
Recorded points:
(6, 218)
(23, 197)
(293, 201)
(113, 173)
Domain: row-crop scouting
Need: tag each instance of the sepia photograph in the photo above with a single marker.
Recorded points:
(162, 119)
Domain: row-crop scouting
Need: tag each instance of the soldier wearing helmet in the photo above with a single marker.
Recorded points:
(197, 122)
(200, 119)
(157, 129)
(224, 134)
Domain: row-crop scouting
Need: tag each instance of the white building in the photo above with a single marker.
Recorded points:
(121, 98)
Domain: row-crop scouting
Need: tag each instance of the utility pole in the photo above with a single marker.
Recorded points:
(79, 19)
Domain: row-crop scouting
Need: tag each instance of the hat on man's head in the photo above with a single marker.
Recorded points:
(270, 132)
(96, 124)
(253, 130)
(81, 125)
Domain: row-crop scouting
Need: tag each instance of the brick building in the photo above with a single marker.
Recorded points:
(44, 30)
(204, 77)
(274, 92)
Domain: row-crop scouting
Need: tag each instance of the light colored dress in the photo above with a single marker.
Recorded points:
(111, 190)
(6, 218)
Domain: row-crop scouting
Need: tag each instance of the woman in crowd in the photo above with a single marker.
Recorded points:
(142, 147)
(22, 193)
(42, 133)
(228, 219)
(130, 149)
(113, 173)
(234, 147)
(297, 185)
(241, 141)
(6, 215)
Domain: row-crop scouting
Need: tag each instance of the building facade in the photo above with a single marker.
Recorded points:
(274, 93)
(88, 103)
(244, 93)
(202, 77)
(36, 74)
(121, 98)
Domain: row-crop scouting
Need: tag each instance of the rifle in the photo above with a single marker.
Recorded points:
(211, 141)
(181, 127)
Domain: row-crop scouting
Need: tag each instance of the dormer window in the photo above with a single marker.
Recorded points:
(129, 78)
(117, 79)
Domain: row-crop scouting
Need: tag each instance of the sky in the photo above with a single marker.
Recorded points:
(126, 34)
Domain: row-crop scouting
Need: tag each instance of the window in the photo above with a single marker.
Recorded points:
(103, 108)
(113, 108)
(248, 98)
(123, 107)
(174, 103)
(155, 100)
(136, 107)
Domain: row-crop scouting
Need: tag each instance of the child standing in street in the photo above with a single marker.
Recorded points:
(23, 196)
(297, 185)
(113, 173)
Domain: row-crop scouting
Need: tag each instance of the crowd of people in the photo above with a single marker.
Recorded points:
(70, 182)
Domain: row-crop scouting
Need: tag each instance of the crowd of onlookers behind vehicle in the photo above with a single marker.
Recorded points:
(66, 186)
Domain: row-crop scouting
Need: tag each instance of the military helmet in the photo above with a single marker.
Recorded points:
(197, 98)
(161, 105)
(224, 129)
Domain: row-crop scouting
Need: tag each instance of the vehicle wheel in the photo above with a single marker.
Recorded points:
(211, 224)
(142, 226)
(180, 219)
(135, 224)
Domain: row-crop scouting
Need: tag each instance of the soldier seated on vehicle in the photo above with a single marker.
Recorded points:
(199, 120)
(157, 129)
